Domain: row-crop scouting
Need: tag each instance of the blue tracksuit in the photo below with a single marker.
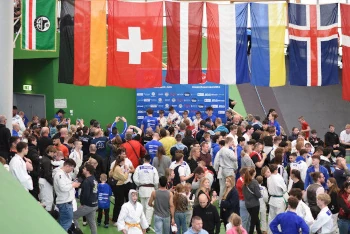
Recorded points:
(290, 223)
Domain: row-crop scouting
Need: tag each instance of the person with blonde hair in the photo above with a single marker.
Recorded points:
(230, 200)
(324, 222)
(235, 225)
(204, 188)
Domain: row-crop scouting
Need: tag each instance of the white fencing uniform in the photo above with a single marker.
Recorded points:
(131, 217)
(147, 179)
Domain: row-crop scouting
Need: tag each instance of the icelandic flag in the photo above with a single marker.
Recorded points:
(313, 44)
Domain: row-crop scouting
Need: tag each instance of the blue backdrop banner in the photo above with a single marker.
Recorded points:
(191, 97)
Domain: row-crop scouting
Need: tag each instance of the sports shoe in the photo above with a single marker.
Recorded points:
(98, 224)
(84, 223)
(106, 226)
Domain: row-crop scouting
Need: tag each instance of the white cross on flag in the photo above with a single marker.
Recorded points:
(135, 32)
(345, 18)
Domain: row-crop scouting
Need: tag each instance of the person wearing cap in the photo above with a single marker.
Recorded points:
(16, 119)
(60, 115)
(314, 140)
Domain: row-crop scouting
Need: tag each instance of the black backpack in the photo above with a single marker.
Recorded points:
(176, 179)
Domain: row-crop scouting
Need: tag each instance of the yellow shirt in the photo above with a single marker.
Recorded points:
(168, 142)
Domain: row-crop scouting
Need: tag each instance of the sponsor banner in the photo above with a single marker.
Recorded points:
(190, 97)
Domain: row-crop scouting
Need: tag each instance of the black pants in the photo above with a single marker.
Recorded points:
(341, 153)
(99, 217)
(254, 219)
(118, 192)
(127, 188)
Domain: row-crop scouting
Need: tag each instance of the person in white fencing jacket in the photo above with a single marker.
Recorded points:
(65, 190)
(146, 178)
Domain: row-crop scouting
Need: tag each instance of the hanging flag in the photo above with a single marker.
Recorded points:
(227, 43)
(184, 42)
(313, 44)
(345, 20)
(135, 32)
(268, 33)
(83, 44)
(39, 25)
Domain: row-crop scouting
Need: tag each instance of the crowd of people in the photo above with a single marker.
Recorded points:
(188, 175)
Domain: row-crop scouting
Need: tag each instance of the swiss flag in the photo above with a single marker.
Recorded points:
(135, 32)
(345, 19)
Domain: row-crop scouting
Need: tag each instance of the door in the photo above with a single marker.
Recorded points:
(30, 104)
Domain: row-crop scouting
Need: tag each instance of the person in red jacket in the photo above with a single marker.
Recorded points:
(134, 149)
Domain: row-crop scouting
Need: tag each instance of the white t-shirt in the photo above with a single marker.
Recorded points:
(184, 169)
(127, 163)
(344, 137)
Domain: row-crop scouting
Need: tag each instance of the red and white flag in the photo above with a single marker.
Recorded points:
(184, 42)
(345, 19)
(135, 32)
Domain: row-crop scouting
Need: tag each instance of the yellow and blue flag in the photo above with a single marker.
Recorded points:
(268, 22)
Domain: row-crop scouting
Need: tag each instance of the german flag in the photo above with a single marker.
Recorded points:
(83, 43)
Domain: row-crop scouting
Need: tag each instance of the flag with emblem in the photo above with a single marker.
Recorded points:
(39, 25)
(313, 44)
(345, 20)
(135, 32)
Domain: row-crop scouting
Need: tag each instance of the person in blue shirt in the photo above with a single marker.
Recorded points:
(114, 130)
(241, 143)
(60, 115)
(316, 167)
(152, 146)
(289, 221)
(104, 192)
(209, 110)
(149, 121)
(273, 122)
(215, 146)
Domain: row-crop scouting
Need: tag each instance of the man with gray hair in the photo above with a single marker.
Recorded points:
(44, 140)
(5, 136)
(134, 150)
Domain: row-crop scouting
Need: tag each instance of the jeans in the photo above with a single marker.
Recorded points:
(90, 213)
(161, 225)
(180, 220)
(245, 216)
(66, 215)
(343, 225)
(99, 217)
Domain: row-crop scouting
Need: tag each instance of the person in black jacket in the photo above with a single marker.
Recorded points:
(44, 141)
(332, 140)
(88, 199)
(5, 136)
(33, 155)
(98, 158)
(230, 200)
(45, 178)
(188, 140)
(209, 215)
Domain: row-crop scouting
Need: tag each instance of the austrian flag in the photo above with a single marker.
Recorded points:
(313, 47)
(135, 32)
(38, 25)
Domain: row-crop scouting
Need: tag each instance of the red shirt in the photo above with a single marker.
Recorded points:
(304, 126)
(64, 150)
(239, 187)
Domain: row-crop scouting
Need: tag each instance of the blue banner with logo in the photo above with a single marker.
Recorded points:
(190, 97)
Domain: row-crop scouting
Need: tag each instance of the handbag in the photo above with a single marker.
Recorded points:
(138, 157)
(111, 181)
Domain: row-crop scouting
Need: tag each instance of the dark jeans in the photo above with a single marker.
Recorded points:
(254, 219)
(118, 192)
(99, 217)
(341, 153)
(127, 188)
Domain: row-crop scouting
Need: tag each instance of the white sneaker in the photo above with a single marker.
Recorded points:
(84, 223)
(115, 224)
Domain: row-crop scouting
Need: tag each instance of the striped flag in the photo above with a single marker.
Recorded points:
(184, 42)
(227, 43)
(345, 19)
(268, 32)
(83, 49)
(39, 25)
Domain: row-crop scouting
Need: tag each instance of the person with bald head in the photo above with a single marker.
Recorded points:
(208, 213)
(44, 140)
(93, 155)
(5, 136)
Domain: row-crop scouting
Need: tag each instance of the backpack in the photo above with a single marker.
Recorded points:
(176, 179)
